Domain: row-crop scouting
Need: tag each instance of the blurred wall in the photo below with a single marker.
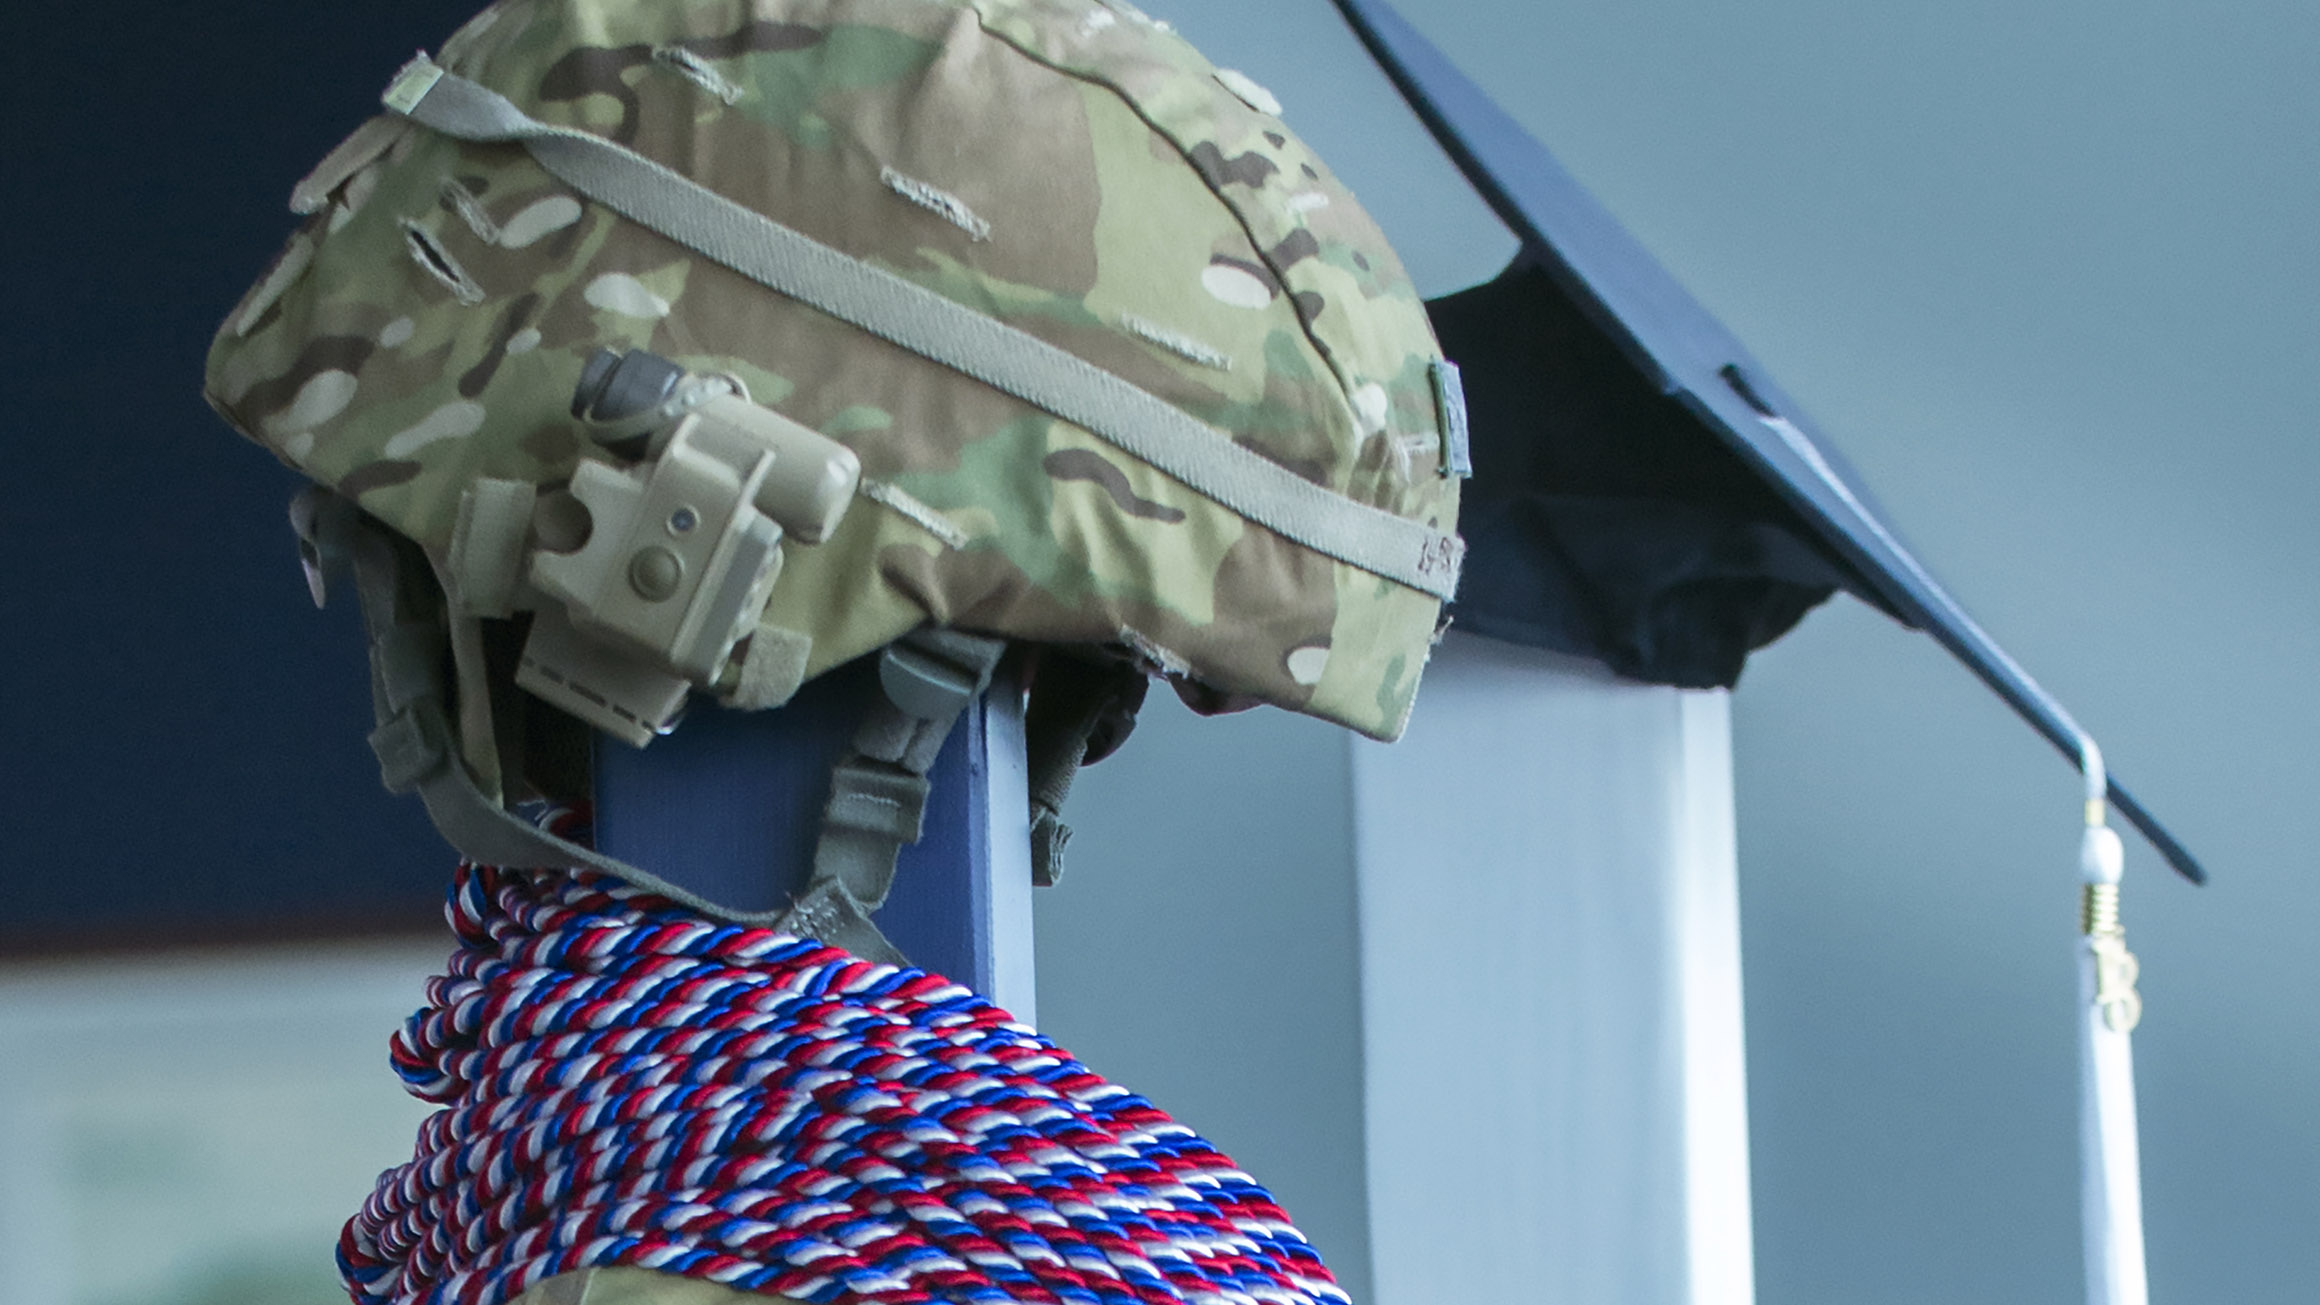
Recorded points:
(193, 1129)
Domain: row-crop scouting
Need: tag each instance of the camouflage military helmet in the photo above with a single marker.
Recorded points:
(734, 339)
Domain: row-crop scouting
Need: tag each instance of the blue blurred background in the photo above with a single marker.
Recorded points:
(2046, 272)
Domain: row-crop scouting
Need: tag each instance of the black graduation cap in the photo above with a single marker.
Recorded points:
(1644, 493)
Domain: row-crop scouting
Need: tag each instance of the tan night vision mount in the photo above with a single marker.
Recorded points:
(647, 574)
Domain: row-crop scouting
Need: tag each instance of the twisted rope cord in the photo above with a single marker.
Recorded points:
(627, 1083)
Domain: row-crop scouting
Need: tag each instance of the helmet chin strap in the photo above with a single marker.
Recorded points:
(878, 791)
(1081, 711)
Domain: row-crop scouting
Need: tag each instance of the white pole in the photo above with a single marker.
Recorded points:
(1549, 884)
(2111, 1185)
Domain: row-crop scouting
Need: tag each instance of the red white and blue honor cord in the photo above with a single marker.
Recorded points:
(627, 1083)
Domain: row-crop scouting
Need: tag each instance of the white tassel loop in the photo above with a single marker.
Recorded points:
(2111, 1186)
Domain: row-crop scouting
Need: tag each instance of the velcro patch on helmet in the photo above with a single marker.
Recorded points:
(1450, 399)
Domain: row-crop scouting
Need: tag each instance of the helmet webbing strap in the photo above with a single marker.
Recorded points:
(413, 738)
(943, 330)
(1081, 710)
(878, 793)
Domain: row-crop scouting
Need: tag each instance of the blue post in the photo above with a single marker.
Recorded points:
(730, 806)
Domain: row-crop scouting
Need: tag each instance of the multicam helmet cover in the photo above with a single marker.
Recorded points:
(1068, 168)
